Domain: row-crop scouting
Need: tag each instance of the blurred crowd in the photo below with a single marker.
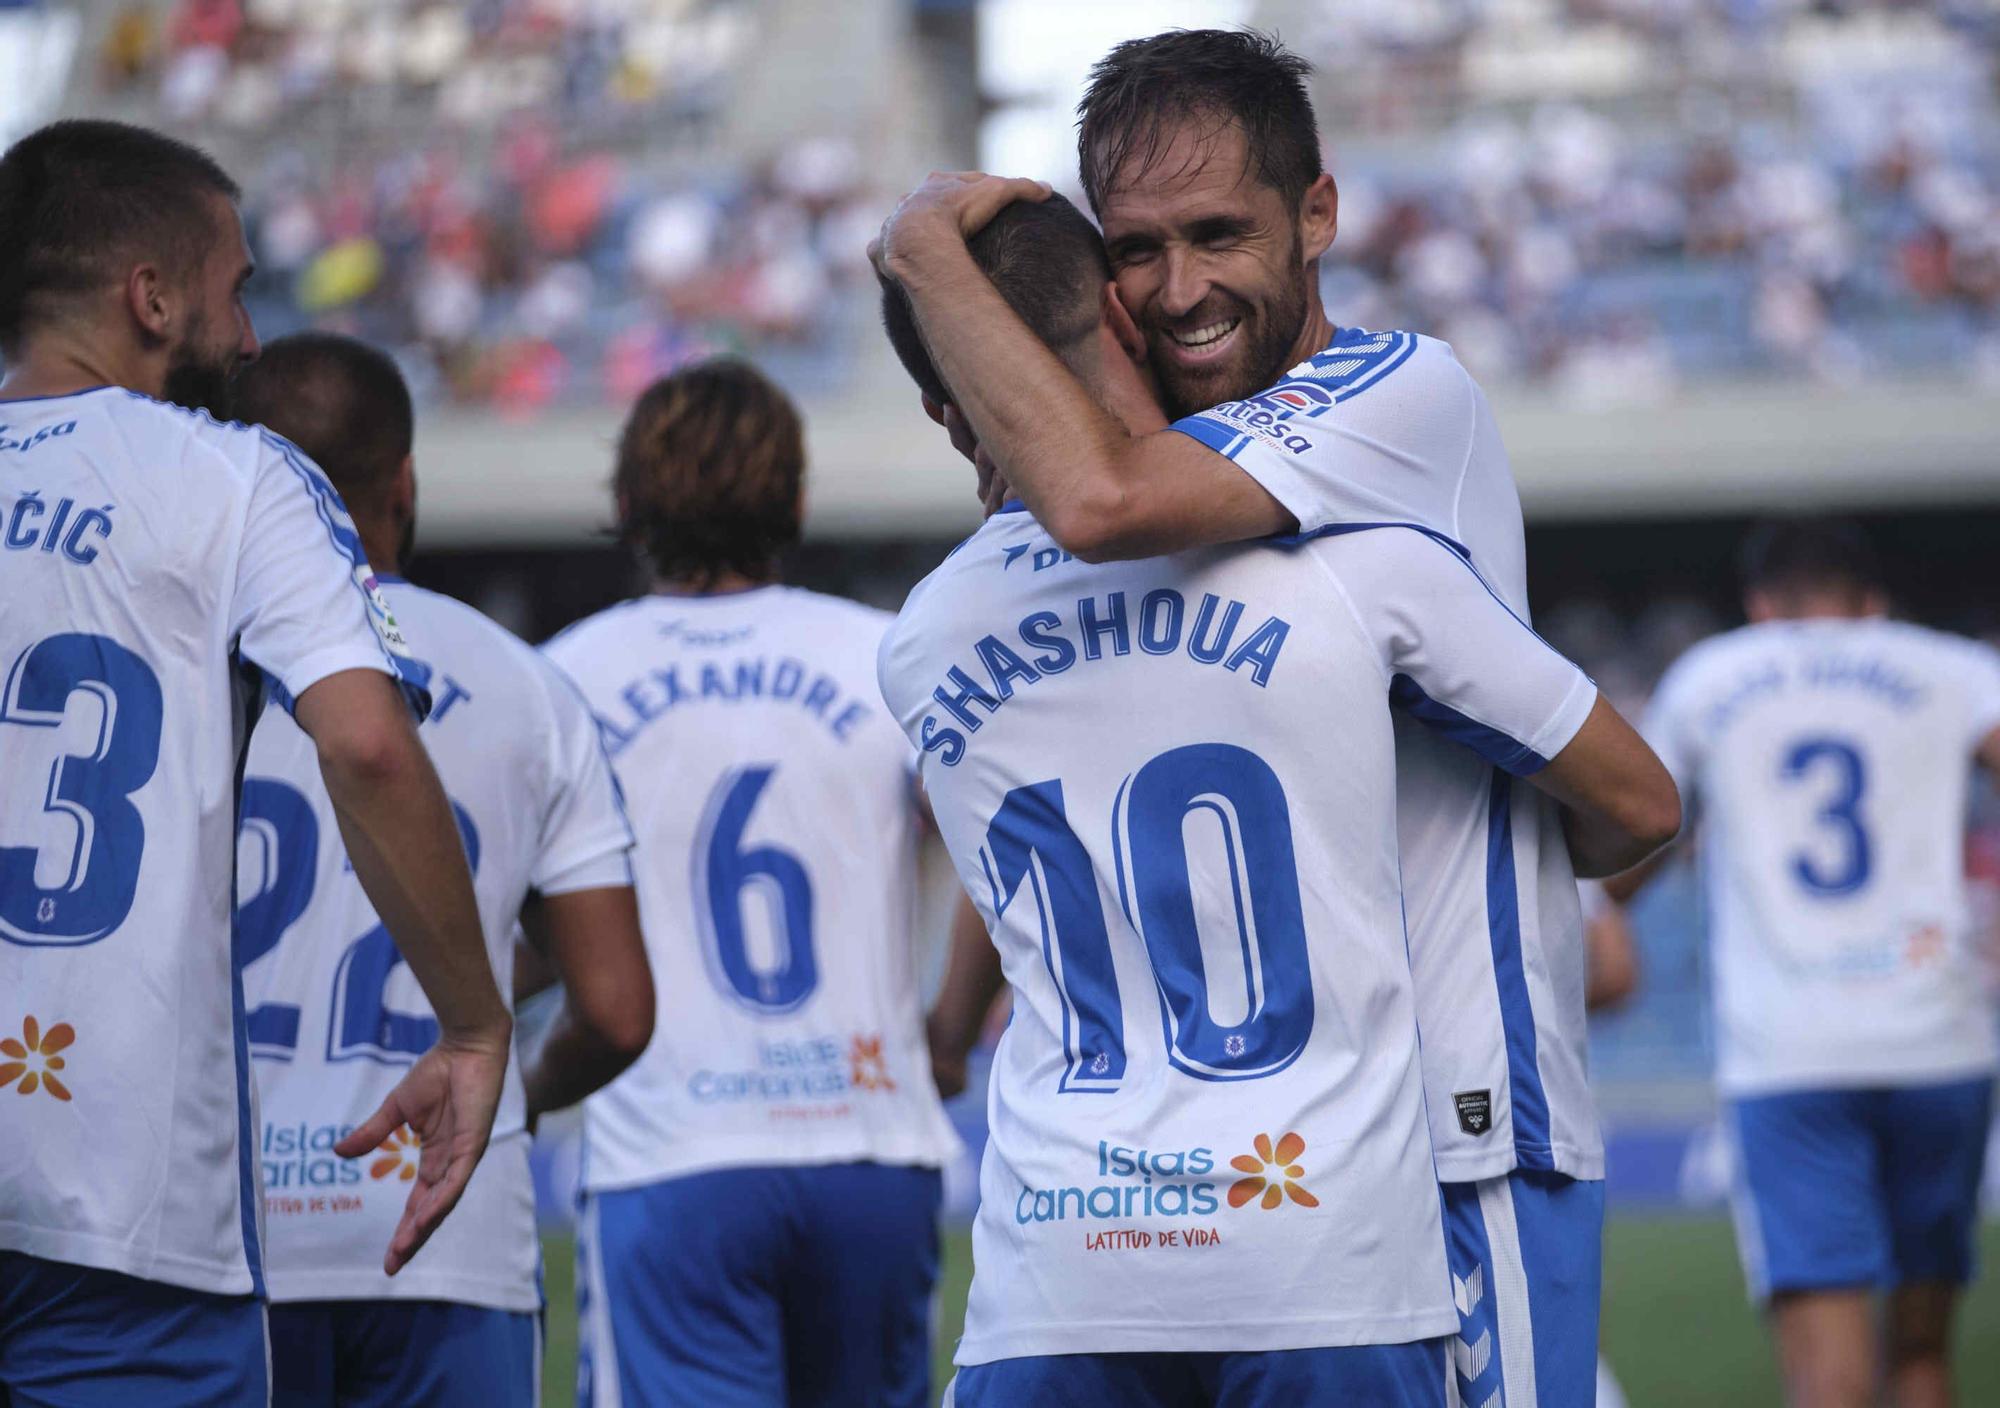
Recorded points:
(532, 200)
(535, 276)
(1565, 250)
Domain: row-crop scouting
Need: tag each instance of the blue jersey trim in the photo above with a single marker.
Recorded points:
(1530, 1103)
(1489, 743)
(1373, 357)
(412, 676)
(247, 1135)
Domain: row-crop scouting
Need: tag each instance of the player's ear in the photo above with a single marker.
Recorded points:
(1319, 217)
(1130, 340)
(932, 409)
(149, 302)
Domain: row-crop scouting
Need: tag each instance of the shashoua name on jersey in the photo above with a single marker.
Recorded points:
(1828, 765)
(777, 827)
(1170, 787)
(1388, 427)
(335, 1016)
(157, 571)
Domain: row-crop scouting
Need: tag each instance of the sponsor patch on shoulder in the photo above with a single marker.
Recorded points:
(379, 614)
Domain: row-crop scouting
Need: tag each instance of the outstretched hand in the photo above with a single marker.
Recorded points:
(949, 206)
(448, 1100)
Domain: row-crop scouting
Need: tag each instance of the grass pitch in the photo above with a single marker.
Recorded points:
(1677, 1328)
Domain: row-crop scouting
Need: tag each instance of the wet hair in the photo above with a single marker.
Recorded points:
(708, 474)
(83, 201)
(1047, 261)
(1803, 554)
(1144, 89)
(340, 400)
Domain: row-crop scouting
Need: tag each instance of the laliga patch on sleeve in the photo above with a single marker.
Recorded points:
(1475, 1110)
(379, 614)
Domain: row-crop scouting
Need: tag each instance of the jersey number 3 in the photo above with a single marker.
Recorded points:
(78, 883)
(1838, 762)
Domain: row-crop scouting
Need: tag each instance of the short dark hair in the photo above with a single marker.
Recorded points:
(1144, 88)
(340, 400)
(83, 200)
(1792, 554)
(1047, 261)
(709, 467)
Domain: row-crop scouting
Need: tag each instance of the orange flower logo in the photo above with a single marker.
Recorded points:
(866, 1068)
(398, 1156)
(33, 1059)
(1271, 1173)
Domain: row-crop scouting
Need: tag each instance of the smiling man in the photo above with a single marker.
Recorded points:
(1200, 156)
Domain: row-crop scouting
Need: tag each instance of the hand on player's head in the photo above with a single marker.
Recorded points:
(949, 205)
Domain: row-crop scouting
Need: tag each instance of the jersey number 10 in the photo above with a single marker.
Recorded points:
(1234, 797)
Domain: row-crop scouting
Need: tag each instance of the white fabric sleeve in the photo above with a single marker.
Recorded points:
(1375, 429)
(305, 604)
(1982, 684)
(586, 841)
(1668, 724)
(1456, 658)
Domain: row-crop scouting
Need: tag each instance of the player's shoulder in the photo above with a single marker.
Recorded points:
(1357, 360)
(1722, 656)
(838, 613)
(584, 639)
(466, 626)
(163, 426)
(1944, 650)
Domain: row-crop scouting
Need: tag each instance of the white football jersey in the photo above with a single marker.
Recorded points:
(1388, 427)
(777, 822)
(1828, 763)
(1170, 787)
(335, 1017)
(158, 570)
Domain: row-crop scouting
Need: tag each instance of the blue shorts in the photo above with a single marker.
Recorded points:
(1412, 1375)
(800, 1287)
(387, 1354)
(1848, 1188)
(74, 1337)
(1527, 1271)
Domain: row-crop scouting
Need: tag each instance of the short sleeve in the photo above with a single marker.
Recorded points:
(1375, 429)
(1982, 686)
(305, 604)
(1457, 659)
(586, 840)
(1668, 725)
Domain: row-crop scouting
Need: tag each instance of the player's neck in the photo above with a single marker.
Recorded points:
(1318, 329)
(54, 365)
(722, 584)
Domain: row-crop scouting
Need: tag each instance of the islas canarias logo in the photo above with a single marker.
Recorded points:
(1272, 1174)
(398, 1157)
(33, 1058)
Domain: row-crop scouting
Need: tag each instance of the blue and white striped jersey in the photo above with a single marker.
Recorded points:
(1388, 427)
(158, 572)
(1828, 763)
(335, 1017)
(1170, 787)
